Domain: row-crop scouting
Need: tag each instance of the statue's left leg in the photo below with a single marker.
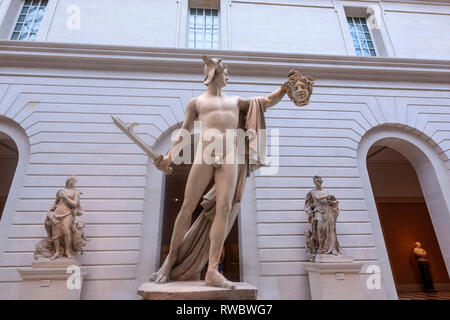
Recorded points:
(68, 221)
(225, 179)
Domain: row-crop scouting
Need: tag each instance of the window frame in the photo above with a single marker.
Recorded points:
(42, 32)
(380, 36)
(359, 40)
(219, 35)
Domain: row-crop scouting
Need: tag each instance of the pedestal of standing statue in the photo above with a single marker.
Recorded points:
(195, 290)
(334, 278)
(47, 280)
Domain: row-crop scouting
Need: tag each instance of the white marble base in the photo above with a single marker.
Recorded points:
(47, 280)
(334, 280)
(195, 290)
(325, 258)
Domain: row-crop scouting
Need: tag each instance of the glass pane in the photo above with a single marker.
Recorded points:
(208, 21)
(192, 11)
(44, 2)
(365, 29)
(200, 22)
(21, 18)
(33, 10)
(24, 10)
(23, 36)
(370, 44)
(358, 52)
(15, 36)
(27, 2)
(366, 52)
(18, 27)
(32, 36)
(38, 19)
(214, 13)
(35, 2)
(359, 28)
(26, 27)
(207, 12)
(372, 52)
(35, 27)
(29, 18)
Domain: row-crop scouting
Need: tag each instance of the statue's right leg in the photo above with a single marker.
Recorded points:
(198, 179)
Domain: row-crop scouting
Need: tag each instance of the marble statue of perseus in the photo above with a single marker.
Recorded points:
(191, 247)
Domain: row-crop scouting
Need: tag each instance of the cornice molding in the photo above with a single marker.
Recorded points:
(260, 64)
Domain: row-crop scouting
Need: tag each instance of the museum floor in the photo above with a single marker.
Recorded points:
(424, 296)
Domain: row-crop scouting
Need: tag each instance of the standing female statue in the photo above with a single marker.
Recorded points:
(60, 219)
(322, 210)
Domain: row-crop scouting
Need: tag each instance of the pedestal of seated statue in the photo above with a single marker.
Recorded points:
(334, 277)
(195, 290)
(48, 280)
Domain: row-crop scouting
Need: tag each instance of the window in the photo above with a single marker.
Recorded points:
(204, 28)
(30, 19)
(361, 37)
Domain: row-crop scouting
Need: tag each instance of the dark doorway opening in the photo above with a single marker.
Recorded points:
(8, 163)
(404, 219)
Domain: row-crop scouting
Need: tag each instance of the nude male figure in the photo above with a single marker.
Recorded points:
(216, 111)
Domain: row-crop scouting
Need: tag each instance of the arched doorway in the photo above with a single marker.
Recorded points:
(9, 157)
(173, 199)
(404, 218)
(428, 161)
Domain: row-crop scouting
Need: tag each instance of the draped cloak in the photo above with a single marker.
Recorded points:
(194, 250)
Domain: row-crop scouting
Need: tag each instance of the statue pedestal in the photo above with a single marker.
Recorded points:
(195, 290)
(47, 280)
(334, 278)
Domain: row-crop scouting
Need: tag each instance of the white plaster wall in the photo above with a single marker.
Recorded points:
(419, 30)
(410, 29)
(66, 117)
(285, 26)
(137, 22)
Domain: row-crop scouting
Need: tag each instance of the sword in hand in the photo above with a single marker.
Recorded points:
(129, 131)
